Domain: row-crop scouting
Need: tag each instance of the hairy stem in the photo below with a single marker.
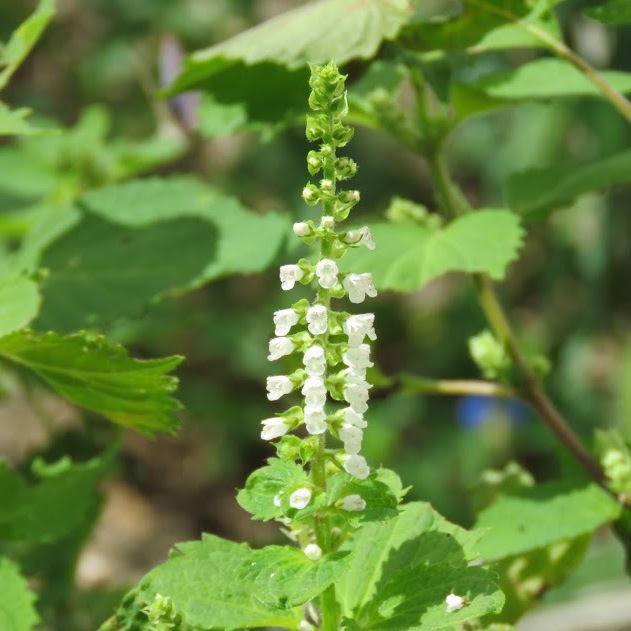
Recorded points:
(451, 200)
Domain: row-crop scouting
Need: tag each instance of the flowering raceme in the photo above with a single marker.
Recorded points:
(332, 345)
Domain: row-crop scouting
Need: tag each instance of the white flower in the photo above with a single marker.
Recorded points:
(327, 221)
(357, 466)
(357, 327)
(358, 358)
(279, 347)
(326, 271)
(314, 360)
(454, 603)
(273, 428)
(278, 386)
(352, 418)
(363, 236)
(317, 319)
(313, 551)
(277, 501)
(314, 392)
(284, 319)
(359, 286)
(353, 503)
(315, 419)
(301, 229)
(289, 276)
(352, 437)
(356, 396)
(300, 498)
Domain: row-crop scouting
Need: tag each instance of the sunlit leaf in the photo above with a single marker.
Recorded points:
(255, 66)
(17, 606)
(409, 256)
(19, 303)
(100, 376)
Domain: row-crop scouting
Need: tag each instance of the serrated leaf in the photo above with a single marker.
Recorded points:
(100, 376)
(612, 12)
(63, 496)
(23, 39)
(19, 303)
(99, 271)
(17, 605)
(403, 569)
(247, 242)
(264, 484)
(541, 79)
(258, 65)
(216, 583)
(408, 257)
(536, 518)
(537, 192)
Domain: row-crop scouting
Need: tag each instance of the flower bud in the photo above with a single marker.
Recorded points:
(302, 229)
(455, 603)
(313, 551)
(327, 222)
(300, 498)
(353, 503)
(326, 185)
(310, 194)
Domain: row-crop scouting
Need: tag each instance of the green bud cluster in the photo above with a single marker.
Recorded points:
(617, 466)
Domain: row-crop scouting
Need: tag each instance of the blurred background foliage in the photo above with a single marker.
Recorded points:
(95, 74)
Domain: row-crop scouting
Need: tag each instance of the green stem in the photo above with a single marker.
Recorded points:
(419, 385)
(615, 97)
(454, 204)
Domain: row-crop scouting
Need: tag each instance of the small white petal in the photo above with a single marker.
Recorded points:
(358, 286)
(315, 420)
(284, 319)
(273, 428)
(277, 501)
(300, 498)
(279, 347)
(357, 327)
(277, 386)
(352, 437)
(357, 397)
(358, 357)
(317, 319)
(326, 270)
(289, 276)
(314, 360)
(313, 551)
(362, 236)
(357, 466)
(454, 603)
(353, 503)
(352, 418)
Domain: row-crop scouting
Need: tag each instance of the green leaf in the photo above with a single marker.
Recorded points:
(612, 12)
(99, 271)
(403, 569)
(216, 583)
(408, 257)
(259, 65)
(537, 80)
(100, 376)
(264, 484)
(61, 500)
(17, 609)
(537, 192)
(247, 242)
(536, 518)
(14, 123)
(19, 303)
(23, 39)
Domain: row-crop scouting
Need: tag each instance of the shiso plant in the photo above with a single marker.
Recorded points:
(359, 556)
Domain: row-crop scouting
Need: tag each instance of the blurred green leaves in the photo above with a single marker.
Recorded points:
(611, 12)
(100, 376)
(19, 303)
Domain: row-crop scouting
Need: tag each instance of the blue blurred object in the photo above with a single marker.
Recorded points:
(473, 410)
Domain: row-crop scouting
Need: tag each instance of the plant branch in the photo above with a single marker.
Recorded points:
(451, 199)
(559, 48)
(419, 385)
